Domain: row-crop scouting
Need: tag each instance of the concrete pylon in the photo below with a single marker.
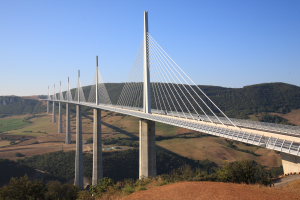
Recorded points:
(147, 164)
(97, 148)
(59, 118)
(78, 155)
(47, 107)
(53, 112)
(48, 100)
(97, 137)
(68, 125)
(147, 94)
(147, 154)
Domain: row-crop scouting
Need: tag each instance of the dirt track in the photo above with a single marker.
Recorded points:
(214, 191)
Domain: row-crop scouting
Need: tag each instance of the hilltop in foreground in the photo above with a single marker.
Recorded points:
(215, 190)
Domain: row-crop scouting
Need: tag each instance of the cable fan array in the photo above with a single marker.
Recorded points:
(103, 97)
(132, 92)
(80, 93)
(173, 91)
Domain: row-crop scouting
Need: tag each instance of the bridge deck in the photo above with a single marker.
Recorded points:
(282, 140)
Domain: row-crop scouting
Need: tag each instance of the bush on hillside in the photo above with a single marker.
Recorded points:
(247, 171)
(26, 189)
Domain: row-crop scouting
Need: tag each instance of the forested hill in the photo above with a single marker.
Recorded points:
(13, 105)
(235, 102)
(240, 102)
(266, 97)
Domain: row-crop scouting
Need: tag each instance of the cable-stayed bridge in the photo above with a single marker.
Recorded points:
(159, 90)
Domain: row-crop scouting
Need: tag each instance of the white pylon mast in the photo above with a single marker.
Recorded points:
(147, 95)
(69, 92)
(48, 93)
(60, 91)
(78, 87)
(54, 95)
(97, 80)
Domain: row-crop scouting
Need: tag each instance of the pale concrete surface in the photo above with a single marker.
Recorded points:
(147, 161)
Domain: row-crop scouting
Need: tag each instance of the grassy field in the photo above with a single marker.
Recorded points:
(217, 150)
(39, 125)
(44, 138)
(13, 123)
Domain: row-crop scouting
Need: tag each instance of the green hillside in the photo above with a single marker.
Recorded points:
(235, 102)
(13, 105)
(241, 102)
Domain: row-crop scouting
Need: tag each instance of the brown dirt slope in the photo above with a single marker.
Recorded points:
(214, 191)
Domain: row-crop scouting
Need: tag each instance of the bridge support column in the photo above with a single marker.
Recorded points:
(78, 155)
(68, 127)
(97, 148)
(59, 118)
(47, 107)
(53, 113)
(290, 163)
(147, 154)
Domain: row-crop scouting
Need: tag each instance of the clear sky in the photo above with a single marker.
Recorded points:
(229, 43)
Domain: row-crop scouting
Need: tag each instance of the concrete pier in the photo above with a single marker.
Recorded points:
(97, 148)
(53, 113)
(290, 163)
(68, 125)
(147, 161)
(47, 107)
(59, 118)
(78, 155)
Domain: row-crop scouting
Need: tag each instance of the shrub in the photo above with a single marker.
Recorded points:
(56, 190)
(19, 154)
(23, 188)
(103, 186)
(246, 171)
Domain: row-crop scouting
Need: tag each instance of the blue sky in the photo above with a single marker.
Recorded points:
(224, 43)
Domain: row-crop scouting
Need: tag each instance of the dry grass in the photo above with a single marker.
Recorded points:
(293, 116)
(214, 191)
(215, 149)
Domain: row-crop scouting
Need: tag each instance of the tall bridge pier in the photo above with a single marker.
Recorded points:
(97, 137)
(53, 112)
(68, 125)
(97, 148)
(78, 154)
(53, 108)
(147, 154)
(59, 118)
(78, 181)
(59, 114)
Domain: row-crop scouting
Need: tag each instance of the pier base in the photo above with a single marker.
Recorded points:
(68, 125)
(97, 148)
(147, 154)
(59, 118)
(53, 113)
(78, 155)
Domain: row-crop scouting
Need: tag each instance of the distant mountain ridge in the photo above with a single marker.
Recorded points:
(14, 105)
(235, 102)
(241, 102)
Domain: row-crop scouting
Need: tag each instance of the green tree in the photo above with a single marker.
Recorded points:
(56, 190)
(247, 171)
(23, 189)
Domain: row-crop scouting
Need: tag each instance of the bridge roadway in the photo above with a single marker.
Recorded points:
(274, 139)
